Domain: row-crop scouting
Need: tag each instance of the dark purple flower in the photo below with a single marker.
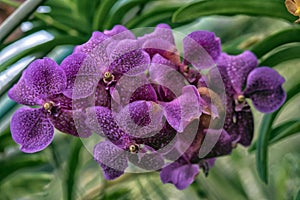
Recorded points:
(41, 84)
(242, 80)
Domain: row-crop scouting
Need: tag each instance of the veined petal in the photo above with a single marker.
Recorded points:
(184, 109)
(180, 175)
(45, 77)
(41, 79)
(162, 31)
(71, 122)
(264, 87)
(133, 88)
(119, 32)
(140, 118)
(31, 129)
(167, 77)
(87, 48)
(201, 49)
(23, 94)
(82, 74)
(222, 146)
(111, 158)
(147, 161)
(101, 120)
(238, 67)
(128, 59)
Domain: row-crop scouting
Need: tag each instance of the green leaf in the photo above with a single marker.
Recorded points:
(298, 195)
(269, 8)
(283, 37)
(264, 136)
(117, 16)
(86, 9)
(102, 13)
(73, 162)
(262, 147)
(287, 53)
(45, 47)
(11, 163)
(152, 17)
(281, 132)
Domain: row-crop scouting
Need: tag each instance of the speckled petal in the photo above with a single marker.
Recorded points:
(45, 77)
(238, 67)
(82, 75)
(23, 94)
(71, 122)
(140, 118)
(31, 129)
(221, 140)
(128, 59)
(133, 88)
(160, 139)
(264, 87)
(162, 47)
(157, 58)
(201, 49)
(119, 32)
(111, 158)
(179, 175)
(167, 77)
(96, 38)
(162, 31)
(182, 110)
(240, 126)
(148, 161)
(101, 120)
(41, 79)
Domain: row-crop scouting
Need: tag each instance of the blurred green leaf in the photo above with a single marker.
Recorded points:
(120, 194)
(152, 17)
(102, 13)
(117, 16)
(269, 8)
(18, 16)
(281, 131)
(11, 163)
(283, 37)
(72, 164)
(45, 47)
(264, 135)
(18, 187)
(284, 54)
(262, 146)
(298, 195)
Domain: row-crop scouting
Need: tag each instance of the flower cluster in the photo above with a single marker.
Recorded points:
(155, 110)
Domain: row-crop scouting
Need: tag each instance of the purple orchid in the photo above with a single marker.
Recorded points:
(42, 84)
(154, 110)
(242, 79)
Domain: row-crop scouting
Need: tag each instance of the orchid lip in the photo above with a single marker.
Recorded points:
(108, 77)
(48, 106)
(134, 148)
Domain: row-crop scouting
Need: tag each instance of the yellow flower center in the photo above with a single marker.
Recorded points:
(241, 98)
(48, 106)
(108, 77)
(134, 148)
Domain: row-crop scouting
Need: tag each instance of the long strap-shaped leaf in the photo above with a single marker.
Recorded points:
(275, 40)
(17, 17)
(269, 8)
(264, 136)
(288, 53)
